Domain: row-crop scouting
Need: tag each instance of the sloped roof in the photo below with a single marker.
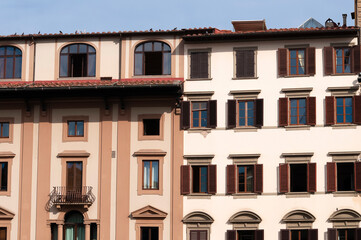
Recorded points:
(311, 23)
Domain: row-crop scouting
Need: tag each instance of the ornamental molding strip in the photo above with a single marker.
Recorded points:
(198, 217)
(149, 212)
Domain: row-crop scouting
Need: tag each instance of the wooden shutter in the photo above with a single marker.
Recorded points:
(259, 112)
(310, 61)
(311, 111)
(312, 177)
(328, 60)
(331, 177)
(231, 179)
(185, 179)
(258, 183)
(330, 115)
(285, 234)
(282, 62)
(245, 63)
(312, 234)
(259, 234)
(331, 234)
(283, 112)
(212, 113)
(356, 109)
(358, 234)
(358, 177)
(283, 177)
(212, 179)
(232, 110)
(231, 234)
(185, 115)
(356, 57)
(199, 65)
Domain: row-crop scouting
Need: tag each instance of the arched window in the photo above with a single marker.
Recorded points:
(152, 58)
(77, 60)
(345, 225)
(198, 225)
(74, 226)
(10, 62)
(299, 226)
(245, 226)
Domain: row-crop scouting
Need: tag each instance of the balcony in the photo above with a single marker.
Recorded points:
(63, 196)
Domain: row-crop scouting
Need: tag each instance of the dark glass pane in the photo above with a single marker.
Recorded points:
(157, 46)
(293, 53)
(204, 179)
(345, 176)
(153, 63)
(302, 111)
(71, 128)
(54, 232)
(2, 51)
(91, 65)
(4, 176)
(298, 179)
(166, 47)
(339, 110)
(339, 119)
(250, 179)
(17, 67)
(204, 118)
(339, 52)
(347, 52)
(293, 111)
(348, 118)
(74, 217)
(166, 63)
(2, 65)
(3, 234)
(80, 128)
(9, 67)
(347, 68)
(293, 70)
(9, 51)
(302, 119)
(246, 235)
(151, 127)
(242, 113)
(93, 231)
(338, 69)
(154, 233)
(250, 104)
(294, 120)
(64, 66)
(241, 179)
(301, 69)
(5, 129)
(73, 48)
(195, 119)
(301, 54)
(17, 51)
(91, 49)
(83, 48)
(146, 174)
(65, 50)
(144, 232)
(138, 64)
(148, 47)
(348, 110)
(293, 103)
(155, 175)
(348, 101)
(242, 105)
(250, 121)
(293, 62)
(242, 122)
(139, 48)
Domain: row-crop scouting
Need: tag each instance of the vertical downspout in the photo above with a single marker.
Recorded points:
(120, 56)
(34, 58)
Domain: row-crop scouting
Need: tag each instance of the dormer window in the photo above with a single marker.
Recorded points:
(77, 60)
(152, 58)
(10, 62)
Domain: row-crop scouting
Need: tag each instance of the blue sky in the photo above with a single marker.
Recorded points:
(50, 16)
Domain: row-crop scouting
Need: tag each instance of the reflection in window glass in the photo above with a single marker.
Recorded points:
(344, 109)
(199, 114)
(298, 111)
(343, 60)
(151, 174)
(297, 61)
(246, 113)
(75, 128)
(4, 129)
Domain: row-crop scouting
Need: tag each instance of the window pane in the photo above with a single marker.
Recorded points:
(339, 110)
(139, 48)
(166, 47)
(348, 110)
(293, 62)
(157, 46)
(301, 69)
(250, 179)
(5, 130)
(303, 119)
(294, 120)
(166, 63)
(71, 128)
(91, 49)
(195, 119)
(65, 50)
(146, 174)
(80, 128)
(293, 53)
(4, 176)
(17, 67)
(250, 121)
(155, 175)
(3, 234)
(242, 113)
(148, 47)
(138, 64)
(63, 65)
(293, 70)
(2, 51)
(91, 65)
(242, 122)
(339, 118)
(154, 233)
(347, 68)
(348, 101)
(301, 54)
(241, 179)
(338, 69)
(204, 118)
(17, 51)
(73, 48)
(9, 51)
(339, 52)
(9, 67)
(145, 232)
(293, 103)
(204, 178)
(82, 48)
(2, 65)
(348, 118)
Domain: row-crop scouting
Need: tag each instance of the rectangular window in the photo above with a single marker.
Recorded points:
(298, 111)
(3, 233)
(200, 179)
(151, 174)
(198, 235)
(75, 128)
(4, 129)
(297, 61)
(344, 110)
(346, 234)
(199, 114)
(199, 64)
(245, 63)
(345, 177)
(298, 177)
(149, 233)
(246, 113)
(246, 235)
(299, 234)
(151, 127)
(343, 60)
(4, 176)
(246, 178)
(74, 176)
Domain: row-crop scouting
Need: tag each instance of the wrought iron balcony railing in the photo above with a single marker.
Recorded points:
(71, 196)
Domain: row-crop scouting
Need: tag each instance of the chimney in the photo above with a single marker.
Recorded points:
(344, 17)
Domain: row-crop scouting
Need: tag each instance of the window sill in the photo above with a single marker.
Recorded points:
(199, 130)
(198, 79)
(297, 194)
(10, 79)
(297, 127)
(244, 78)
(199, 196)
(5, 193)
(246, 129)
(77, 78)
(244, 195)
(298, 76)
(343, 74)
(152, 76)
(345, 194)
(344, 126)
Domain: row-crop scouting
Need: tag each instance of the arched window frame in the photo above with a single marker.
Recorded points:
(198, 222)
(88, 61)
(143, 51)
(14, 58)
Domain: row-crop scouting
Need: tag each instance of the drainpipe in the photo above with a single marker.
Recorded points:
(120, 56)
(32, 37)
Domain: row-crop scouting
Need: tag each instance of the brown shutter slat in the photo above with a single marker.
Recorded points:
(356, 56)
(259, 234)
(245, 63)
(259, 112)
(258, 178)
(312, 177)
(311, 61)
(283, 177)
(330, 115)
(282, 62)
(312, 234)
(332, 234)
(231, 179)
(231, 234)
(212, 177)
(285, 234)
(311, 111)
(185, 179)
(204, 65)
(240, 64)
(328, 60)
(199, 65)
(212, 114)
(194, 65)
(331, 177)
(231, 121)
(358, 177)
(357, 109)
(185, 115)
(283, 112)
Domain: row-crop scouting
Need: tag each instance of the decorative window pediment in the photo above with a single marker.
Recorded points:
(298, 219)
(149, 212)
(198, 217)
(345, 218)
(245, 217)
(6, 215)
